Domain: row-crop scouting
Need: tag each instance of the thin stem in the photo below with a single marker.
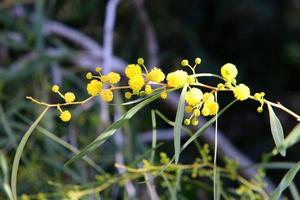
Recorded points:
(215, 152)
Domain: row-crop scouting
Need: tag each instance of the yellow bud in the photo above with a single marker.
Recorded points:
(197, 60)
(98, 69)
(187, 122)
(188, 109)
(148, 89)
(184, 62)
(89, 75)
(195, 122)
(55, 88)
(140, 61)
(197, 113)
(164, 95)
(260, 109)
(65, 116)
(69, 97)
(241, 92)
(128, 95)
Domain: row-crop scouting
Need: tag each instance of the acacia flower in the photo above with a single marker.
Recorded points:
(177, 79)
(136, 83)
(155, 75)
(94, 87)
(69, 97)
(133, 70)
(241, 92)
(113, 77)
(229, 72)
(148, 89)
(106, 95)
(65, 116)
(193, 96)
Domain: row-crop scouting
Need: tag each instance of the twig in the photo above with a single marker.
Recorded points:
(150, 40)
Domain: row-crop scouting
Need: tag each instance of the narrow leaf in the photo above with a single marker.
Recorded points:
(19, 152)
(285, 182)
(111, 130)
(294, 192)
(277, 131)
(178, 123)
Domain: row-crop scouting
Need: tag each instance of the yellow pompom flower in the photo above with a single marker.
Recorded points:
(55, 88)
(213, 107)
(133, 70)
(188, 109)
(205, 111)
(177, 79)
(229, 72)
(113, 77)
(94, 87)
(69, 97)
(136, 83)
(193, 96)
(148, 89)
(208, 97)
(106, 95)
(155, 75)
(241, 92)
(65, 116)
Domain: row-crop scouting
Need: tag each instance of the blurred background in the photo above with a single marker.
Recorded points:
(56, 42)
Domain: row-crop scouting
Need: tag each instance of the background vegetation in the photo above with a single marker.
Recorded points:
(260, 37)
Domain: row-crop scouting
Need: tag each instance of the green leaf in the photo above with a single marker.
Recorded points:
(294, 192)
(19, 152)
(178, 123)
(277, 131)
(285, 182)
(292, 138)
(111, 130)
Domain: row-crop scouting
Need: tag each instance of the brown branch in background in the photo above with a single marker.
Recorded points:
(110, 17)
(150, 39)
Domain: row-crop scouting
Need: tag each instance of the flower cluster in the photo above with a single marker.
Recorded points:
(200, 98)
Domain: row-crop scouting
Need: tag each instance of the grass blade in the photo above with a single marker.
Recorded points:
(178, 123)
(277, 131)
(154, 134)
(111, 130)
(19, 152)
(285, 182)
(294, 192)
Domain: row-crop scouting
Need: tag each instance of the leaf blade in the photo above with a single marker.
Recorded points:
(285, 182)
(277, 131)
(178, 123)
(19, 152)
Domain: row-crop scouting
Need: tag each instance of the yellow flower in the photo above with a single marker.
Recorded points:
(241, 92)
(104, 78)
(205, 111)
(106, 95)
(187, 122)
(193, 96)
(69, 97)
(113, 77)
(65, 116)
(133, 70)
(164, 95)
(229, 72)
(148, 89)
(188, 109)
(195, 122)
(208, 97)
(55, 88)
(94, 87)
(136, 83)
(197, 113)
(177, 79)
(155, 75)
(213, 107)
